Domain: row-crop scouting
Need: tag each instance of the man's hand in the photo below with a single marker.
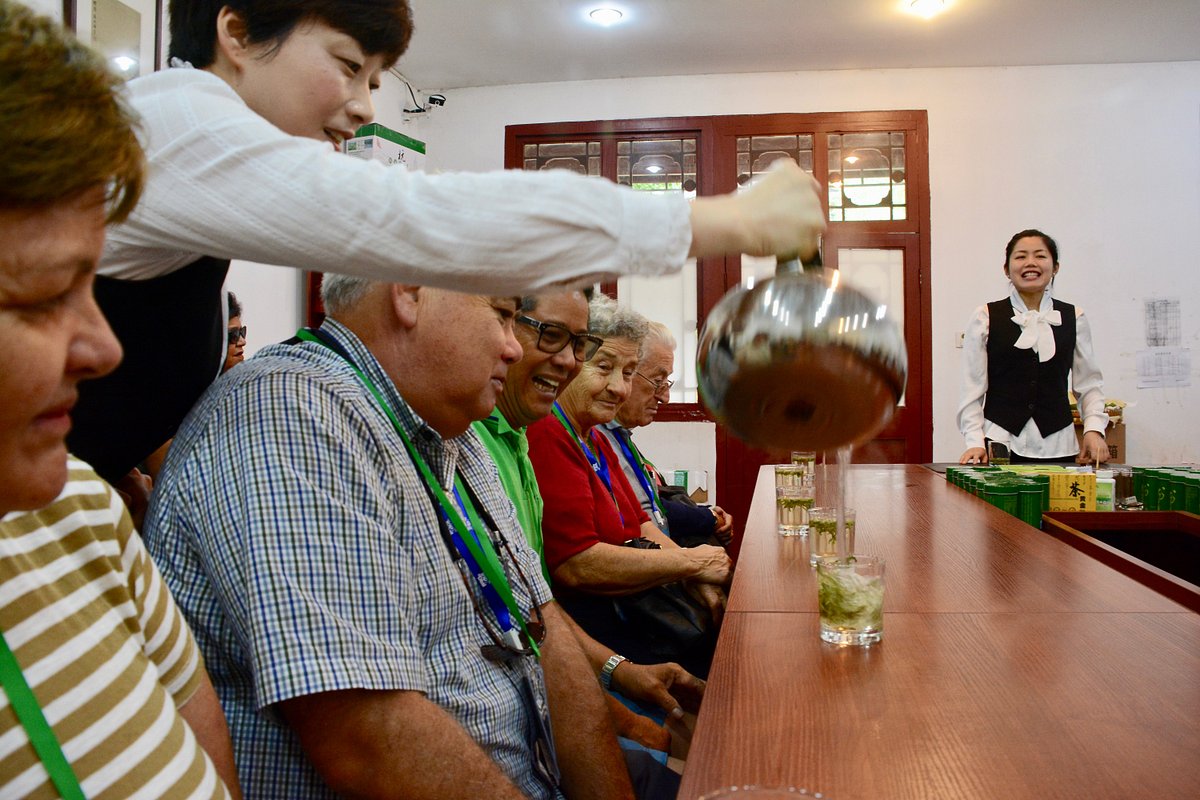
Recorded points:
(667, 686)
(712, 564)
(712, 597)
(135, 488)
(724, 529)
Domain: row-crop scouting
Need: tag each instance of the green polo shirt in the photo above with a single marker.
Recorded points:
(510, 451)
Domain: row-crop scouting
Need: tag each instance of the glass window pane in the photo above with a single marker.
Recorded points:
(866, 176)
(562, 155)
(671, 300)
(658, 165)
(879, 274)
(756, 154)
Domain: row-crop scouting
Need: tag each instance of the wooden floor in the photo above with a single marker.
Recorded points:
(1012, 665)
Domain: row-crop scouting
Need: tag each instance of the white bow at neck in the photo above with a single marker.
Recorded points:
(1036, 333)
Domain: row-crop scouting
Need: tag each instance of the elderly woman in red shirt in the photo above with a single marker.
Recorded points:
(592, 516)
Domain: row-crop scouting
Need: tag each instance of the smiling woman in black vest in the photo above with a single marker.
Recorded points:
(1019, 354)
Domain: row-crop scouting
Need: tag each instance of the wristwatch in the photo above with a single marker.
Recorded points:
(607, 670)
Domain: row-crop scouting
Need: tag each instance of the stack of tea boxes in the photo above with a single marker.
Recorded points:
(1026, 491)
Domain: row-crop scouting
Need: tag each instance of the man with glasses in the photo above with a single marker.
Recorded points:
(552, 330)
(677, 516)
(375, 621)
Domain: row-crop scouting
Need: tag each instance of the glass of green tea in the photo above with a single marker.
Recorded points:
(791, 508)
(823, 532)
(850, 599)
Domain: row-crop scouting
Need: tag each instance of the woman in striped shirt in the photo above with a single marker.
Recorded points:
(97, 664)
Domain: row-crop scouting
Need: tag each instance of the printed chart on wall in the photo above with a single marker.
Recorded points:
(1165, 363)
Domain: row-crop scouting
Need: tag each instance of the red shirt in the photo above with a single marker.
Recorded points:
(579, 511)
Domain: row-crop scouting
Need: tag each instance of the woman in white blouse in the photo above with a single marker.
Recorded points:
(1019, 354)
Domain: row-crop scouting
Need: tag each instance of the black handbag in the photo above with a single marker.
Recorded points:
(670, 624)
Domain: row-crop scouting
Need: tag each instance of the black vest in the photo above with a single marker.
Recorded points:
(173, 333)
(1020, 386)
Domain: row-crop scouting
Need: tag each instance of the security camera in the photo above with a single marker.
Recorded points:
(437, 99)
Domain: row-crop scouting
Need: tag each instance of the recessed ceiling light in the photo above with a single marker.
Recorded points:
(605, 16)
(926, 8)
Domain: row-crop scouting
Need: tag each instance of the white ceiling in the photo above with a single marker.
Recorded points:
(460, 43)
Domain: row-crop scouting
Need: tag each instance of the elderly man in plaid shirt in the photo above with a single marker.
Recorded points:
(371, 615)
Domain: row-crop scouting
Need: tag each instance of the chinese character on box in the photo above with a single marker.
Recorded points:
(376, 142)
(1072, 491)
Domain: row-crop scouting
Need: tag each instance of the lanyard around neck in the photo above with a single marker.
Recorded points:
(596, 459)
(480, 548)
(624, 440)
(41, 736)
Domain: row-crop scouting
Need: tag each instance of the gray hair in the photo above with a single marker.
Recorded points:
(611, 321)
(339, 293)
(658, 332)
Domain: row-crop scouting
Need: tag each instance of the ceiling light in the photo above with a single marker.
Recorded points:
(926, 8)
(851, 159)
(124, 63)
(605, 16)
(654, 168)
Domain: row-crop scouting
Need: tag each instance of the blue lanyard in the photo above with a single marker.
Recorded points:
(503, 616)
(639, 469)
(597, 460)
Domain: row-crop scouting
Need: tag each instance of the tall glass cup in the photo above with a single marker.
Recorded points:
(791, 508)
(850, 599)
(822, 532)
(790, 475)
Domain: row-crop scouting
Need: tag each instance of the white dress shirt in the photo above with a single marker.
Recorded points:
(1086, 382)
(225, 182)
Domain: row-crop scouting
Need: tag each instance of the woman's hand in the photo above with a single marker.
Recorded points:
(780, 214)
(711, 564)
(1093, 449)
(973, 455)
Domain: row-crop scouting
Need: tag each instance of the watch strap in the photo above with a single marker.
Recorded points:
(607, 670)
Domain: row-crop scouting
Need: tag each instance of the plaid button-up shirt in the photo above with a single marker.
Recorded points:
(304, 549)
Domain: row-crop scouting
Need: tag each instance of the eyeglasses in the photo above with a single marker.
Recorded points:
(658, 385)
(552, 338)
(236, 334)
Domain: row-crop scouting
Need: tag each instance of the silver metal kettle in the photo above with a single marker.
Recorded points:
(801, 361)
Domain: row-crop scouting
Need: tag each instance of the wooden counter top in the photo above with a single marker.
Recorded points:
(1012, 665)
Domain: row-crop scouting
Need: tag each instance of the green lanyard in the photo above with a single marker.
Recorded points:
(29, 712)
(481, 549)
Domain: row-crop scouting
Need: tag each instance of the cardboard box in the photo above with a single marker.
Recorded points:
(1072, 491)
(1114, 436)
(376, 142)
(695, 481)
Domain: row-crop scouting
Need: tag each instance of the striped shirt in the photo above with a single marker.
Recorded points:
(303, 547)
(103, 648)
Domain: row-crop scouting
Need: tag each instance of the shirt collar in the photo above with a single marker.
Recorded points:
(440, 453)
(1019, 305)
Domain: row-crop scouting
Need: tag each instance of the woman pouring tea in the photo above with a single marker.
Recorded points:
(1019, 355)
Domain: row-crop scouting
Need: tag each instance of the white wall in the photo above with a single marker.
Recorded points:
(49, 8)
(1105, 158)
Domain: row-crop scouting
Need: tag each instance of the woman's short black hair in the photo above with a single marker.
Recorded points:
(1012, 243)
(382, 27)
(235, 306)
